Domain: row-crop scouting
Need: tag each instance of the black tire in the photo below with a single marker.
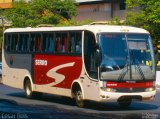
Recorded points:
(79, 98)
(28, 89)
(29, 93)
(37, 95)
(125, 103)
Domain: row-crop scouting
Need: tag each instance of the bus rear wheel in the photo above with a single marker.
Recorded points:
(79, 98)
(28, 89)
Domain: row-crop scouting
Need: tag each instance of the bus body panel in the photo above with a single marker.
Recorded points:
(56, 71)
(15, 68)
(114, 96)
(52, 90)
(91, 88)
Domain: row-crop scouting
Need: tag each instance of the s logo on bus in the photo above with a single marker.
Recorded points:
(10, 59)
(58, 77)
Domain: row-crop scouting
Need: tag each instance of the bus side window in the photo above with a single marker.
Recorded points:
(23, 43)
(32, 43)
(7, 42)
(61, 42)
(20, 43)
(48, 42)
(64, 43)
(35, 42)
(26, 43)
(90, 55)
(72, 42)
(45, 42)
(78, 43)
(75, 42)
(51, 43)
(39, 43)
(58, 43)
(14, 42)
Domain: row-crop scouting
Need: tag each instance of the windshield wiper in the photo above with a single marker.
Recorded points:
(124, 72)
(137, 66)
(140, 70)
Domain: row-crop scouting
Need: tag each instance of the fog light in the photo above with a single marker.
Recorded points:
(149, 89)
(102, 96)
(108, 89)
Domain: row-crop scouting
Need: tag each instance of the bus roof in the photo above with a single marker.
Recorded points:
(92, 28)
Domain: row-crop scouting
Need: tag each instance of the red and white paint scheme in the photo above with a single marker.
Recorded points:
(102, 63)
(55, 71)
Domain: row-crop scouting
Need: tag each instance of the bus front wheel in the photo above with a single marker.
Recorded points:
(126, 102)
(79, 98)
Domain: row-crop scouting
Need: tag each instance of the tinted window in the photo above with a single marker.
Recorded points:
(48, 42)
(45, 42)
(35, 42)
(75, 43)
(14, 42)
(23, 43)
(7, 42)
(90, 55)
(61, 42)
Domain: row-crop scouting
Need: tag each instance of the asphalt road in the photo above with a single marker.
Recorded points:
(13, 104)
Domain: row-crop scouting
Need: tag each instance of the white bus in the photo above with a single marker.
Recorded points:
(102, 63)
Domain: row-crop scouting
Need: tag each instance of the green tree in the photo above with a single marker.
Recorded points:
(145, 14)
(37, 12)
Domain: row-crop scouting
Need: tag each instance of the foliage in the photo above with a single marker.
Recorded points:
(37, 12)
(115, 21)
(145, 14)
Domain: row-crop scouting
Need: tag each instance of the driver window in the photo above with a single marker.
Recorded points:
(90, 55)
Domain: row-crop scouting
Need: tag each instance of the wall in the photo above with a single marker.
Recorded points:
(94, 12)
(5, 4)
(100, 11)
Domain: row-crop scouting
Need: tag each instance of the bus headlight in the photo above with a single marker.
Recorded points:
(149, 89)
(108, 89)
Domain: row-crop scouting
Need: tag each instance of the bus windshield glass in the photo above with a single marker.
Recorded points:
(126, 57)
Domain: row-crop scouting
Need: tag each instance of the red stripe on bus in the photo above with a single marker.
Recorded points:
(129, 84)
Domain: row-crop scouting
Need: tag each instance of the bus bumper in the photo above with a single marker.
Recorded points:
(115, 96)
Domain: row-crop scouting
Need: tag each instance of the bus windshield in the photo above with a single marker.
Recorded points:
(126, 57)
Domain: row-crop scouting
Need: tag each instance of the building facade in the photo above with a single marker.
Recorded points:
(100, 10)
(94, 10)
(4, 4)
